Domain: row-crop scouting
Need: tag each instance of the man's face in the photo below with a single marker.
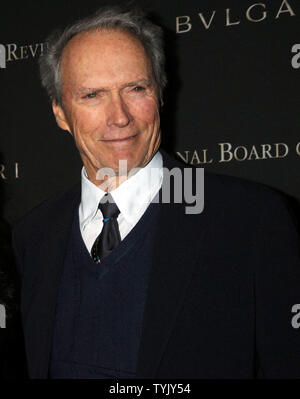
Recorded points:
(110, 102)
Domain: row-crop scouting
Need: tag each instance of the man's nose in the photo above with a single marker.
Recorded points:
(118, 113)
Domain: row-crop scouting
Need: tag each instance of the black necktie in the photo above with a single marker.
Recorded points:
(109, 238)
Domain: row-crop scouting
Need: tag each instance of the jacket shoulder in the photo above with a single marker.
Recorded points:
(235, 196)
(47, 210)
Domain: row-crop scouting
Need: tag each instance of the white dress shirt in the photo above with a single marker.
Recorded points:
(132, 197)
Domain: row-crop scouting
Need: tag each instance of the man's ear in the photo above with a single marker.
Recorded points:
(60, 116)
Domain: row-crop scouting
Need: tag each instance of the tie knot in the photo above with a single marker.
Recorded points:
(108, 207)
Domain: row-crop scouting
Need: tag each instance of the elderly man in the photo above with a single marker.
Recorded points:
(118, 284)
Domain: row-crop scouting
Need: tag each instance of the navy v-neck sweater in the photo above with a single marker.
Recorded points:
(99, 311)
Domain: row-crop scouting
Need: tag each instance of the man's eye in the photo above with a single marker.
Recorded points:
(138, 88)
(91, 95)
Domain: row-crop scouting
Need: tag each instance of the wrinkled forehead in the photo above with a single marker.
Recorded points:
(103, 51)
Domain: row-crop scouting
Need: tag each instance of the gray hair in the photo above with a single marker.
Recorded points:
(132, 21)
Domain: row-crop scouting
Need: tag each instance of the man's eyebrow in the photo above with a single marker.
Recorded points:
(147, 82)
(83, 90)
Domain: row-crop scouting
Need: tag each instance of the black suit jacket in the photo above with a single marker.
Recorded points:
(220, 292)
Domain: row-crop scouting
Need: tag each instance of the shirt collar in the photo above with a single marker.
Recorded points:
(91, 195)
(131, 197)
(135, 194)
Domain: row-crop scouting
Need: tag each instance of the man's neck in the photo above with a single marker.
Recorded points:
(111, 183)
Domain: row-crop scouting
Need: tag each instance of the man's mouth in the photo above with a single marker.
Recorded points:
(128, 138)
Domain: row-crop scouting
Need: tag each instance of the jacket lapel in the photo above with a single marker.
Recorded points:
(174, 259)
